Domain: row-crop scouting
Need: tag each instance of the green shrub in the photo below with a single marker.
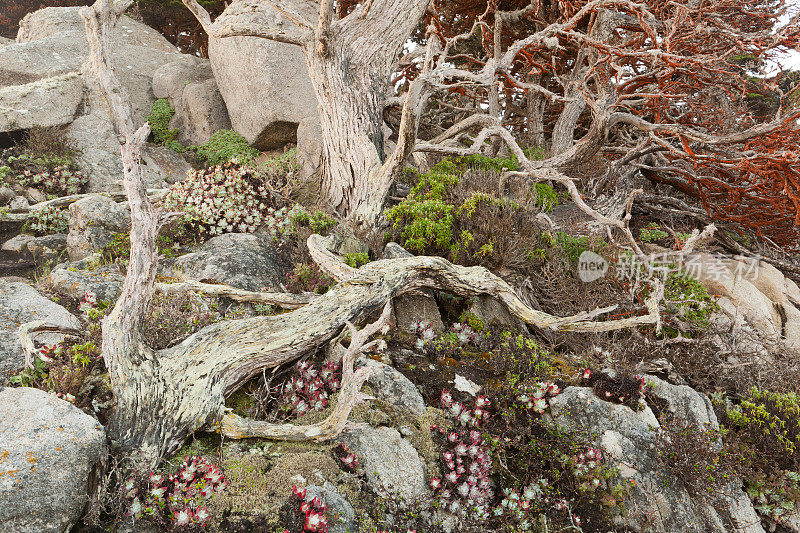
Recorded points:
(769, 422)
(356, 260)
(652, 233)
(688, 300)
(224, 146)
(572, 247)
(160, 115)
(444, 216)
(546, 197)
(319, 221)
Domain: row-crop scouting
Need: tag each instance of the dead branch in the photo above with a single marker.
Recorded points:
(286, 300)
(26, 332)
(64, 201)
(255, 30)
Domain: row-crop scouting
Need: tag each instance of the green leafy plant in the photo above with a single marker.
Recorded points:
(225, 146)
(447, 214)
(356, 260)
(769, 422)
(29, 377)
(160, 115)
(319, 221)
(545, 197)
(776, 494)
(688, 300)
(652, 233)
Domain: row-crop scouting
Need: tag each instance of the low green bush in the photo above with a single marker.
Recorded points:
(225, 146)
(160, 115)
(448, 214)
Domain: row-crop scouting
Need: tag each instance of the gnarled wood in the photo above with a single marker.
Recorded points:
(161, 397)
(349, 396)
(286, 300)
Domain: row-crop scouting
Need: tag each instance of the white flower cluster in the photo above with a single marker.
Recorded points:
(536, 399)
(229, 198)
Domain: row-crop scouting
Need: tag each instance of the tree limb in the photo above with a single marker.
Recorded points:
(349, 396)
(286, 300)
(246, 30)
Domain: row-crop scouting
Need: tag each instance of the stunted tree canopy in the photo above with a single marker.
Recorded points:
(604, 90)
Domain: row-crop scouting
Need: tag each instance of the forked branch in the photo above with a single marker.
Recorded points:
(349, 396)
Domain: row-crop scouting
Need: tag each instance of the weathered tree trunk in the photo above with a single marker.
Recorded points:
(349, 63)
(351, 79)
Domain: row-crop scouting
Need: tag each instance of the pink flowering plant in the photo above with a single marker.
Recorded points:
(464, 487)
(458, 337)
(557, 475)
(59, 181)
(310, 387)
(346, 458)
(179, 500)
(230, 198)
(305, 515)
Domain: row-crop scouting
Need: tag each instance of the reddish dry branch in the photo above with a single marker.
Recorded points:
(682, 69)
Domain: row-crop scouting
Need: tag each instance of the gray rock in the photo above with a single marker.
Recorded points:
(47, 247)
(394, 388)
(46, 102)
(628, 441)
(46, 63)
(309, 148)
(200, 112)
(6, 195)
(100, 159)
(393, 467)
(244, 260)
(48, 449)
(21, 303)
(249, 69)
(409, 309)
(341, 516)
(93, 222)
(163, 166)
(105, 282)
(491, 311)
(189, 85)
(18, 245)
(395, 251)
(171, 78)
(34, 196)
(344, 241)
(19, 203)
(685, 402)
(52, 41)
